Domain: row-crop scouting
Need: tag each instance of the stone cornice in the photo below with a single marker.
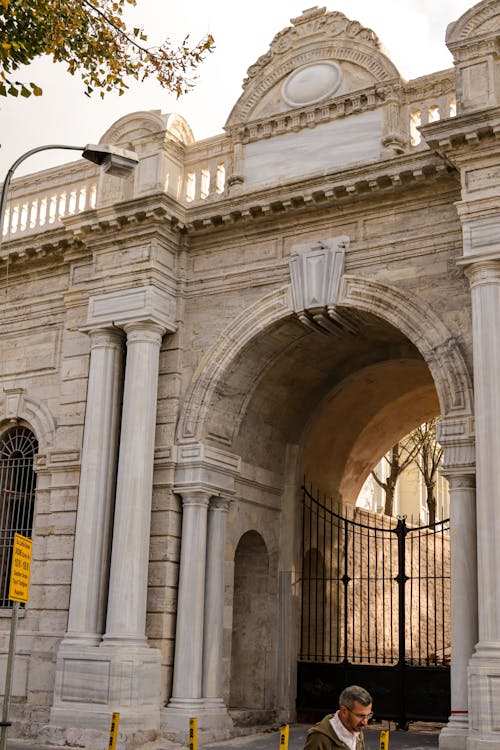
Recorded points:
(160, 212)
(458, 134)
(434, 84)
(153, 211)
(467, 49)
(351, 103)
(396, 174)
(49, 246)
(147, 209)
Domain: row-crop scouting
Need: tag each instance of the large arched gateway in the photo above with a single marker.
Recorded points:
(289, 298)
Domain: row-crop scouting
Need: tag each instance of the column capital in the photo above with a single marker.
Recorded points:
(456, 435)
(193, 498)
(104, 337)
(144, 331)
(459, 481)
(483, 271)
(203, 468)
(220, 503)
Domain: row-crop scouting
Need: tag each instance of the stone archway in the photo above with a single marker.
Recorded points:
(258, 390)
(212, 390)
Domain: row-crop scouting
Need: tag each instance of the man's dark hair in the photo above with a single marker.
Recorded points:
(354, 693)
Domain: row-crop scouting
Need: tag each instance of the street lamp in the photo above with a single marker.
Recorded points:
(120, 163)
(114, 160)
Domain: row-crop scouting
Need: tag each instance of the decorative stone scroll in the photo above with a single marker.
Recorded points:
(316, 272)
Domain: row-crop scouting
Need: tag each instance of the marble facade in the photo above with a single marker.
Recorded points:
(289, 297)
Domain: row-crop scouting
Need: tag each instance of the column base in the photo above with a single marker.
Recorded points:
(93, 682)
(484, 697)
(211, 714)
(454, 735)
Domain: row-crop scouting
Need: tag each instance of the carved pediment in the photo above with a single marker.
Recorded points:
(140, 126)
(480, 22)
(321, 56)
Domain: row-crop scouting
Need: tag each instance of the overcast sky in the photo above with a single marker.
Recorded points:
(413, 32)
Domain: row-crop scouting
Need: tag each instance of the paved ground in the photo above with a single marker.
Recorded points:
(421, 737)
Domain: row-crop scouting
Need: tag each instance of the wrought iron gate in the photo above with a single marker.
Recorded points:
(375, 612)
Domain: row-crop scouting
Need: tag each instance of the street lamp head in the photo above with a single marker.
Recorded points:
(116, 161)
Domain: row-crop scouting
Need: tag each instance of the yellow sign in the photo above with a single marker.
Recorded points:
(20, 570)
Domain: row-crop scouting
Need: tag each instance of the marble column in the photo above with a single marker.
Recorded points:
(214, 604)
(126, 617)
(87, 607)
(463, 575)
(188, 665)
(484, 668)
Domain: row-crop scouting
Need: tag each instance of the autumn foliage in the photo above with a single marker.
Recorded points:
(94, 41)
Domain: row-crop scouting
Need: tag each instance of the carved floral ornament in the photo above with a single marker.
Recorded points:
(311, 62)
(313, 22)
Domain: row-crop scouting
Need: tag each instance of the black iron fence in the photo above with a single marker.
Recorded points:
(375, 611)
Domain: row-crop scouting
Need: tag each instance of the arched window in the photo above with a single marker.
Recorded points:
(18, 447)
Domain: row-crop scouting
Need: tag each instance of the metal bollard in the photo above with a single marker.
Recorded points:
(113, 732)
(284, 732)
(384, 739)
(193, 734)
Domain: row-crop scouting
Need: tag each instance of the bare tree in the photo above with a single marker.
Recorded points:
(399, 458)
(428, 460)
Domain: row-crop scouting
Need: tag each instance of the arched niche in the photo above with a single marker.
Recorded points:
(253, 637)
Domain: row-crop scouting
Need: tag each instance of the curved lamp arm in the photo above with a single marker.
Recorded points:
(114, 160)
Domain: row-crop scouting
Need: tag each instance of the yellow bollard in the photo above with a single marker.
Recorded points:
(113, 732)
(193, 734)
(384, 739)
(284, 732)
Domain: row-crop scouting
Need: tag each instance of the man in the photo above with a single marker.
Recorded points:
(343, 729)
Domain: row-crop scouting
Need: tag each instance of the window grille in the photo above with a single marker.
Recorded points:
(18, 447)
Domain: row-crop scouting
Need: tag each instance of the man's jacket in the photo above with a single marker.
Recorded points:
(322, 737)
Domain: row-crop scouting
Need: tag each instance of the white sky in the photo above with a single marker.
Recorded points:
(413, 32)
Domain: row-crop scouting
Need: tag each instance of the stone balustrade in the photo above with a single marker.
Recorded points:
(429, 99)
(38, 202)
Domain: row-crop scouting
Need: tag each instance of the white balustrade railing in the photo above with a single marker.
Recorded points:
(38, 211)
(38, 202)
(430, 99)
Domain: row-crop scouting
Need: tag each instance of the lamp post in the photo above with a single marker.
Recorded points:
(114, 160)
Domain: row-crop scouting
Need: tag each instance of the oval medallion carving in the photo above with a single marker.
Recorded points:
(311, 83)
